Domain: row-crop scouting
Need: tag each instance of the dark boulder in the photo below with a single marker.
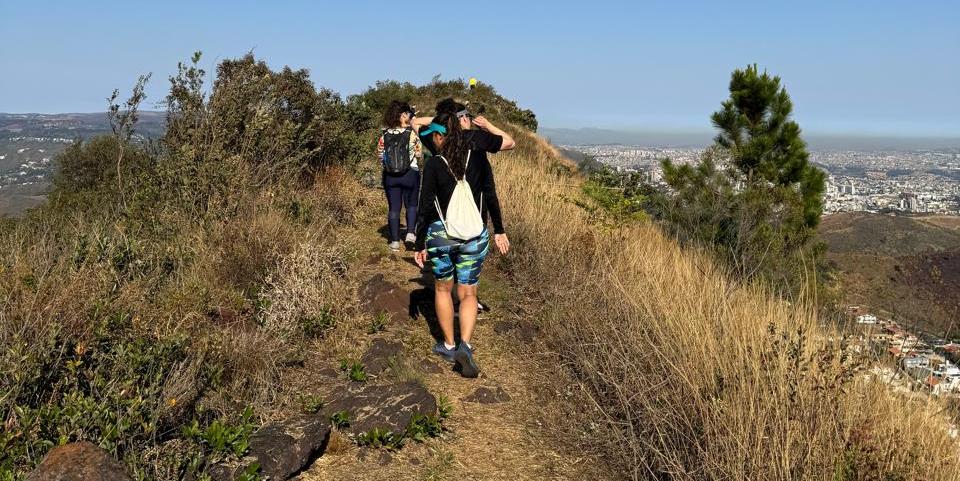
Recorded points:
(389, 407)
(281, 449)
(378, 295)
(380, 356)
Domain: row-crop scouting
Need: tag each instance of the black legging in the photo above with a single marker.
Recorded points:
(402, 190)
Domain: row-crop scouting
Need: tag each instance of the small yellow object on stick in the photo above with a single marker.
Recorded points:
(473, 82)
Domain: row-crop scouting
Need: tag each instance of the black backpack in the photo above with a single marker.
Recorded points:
(396, 152)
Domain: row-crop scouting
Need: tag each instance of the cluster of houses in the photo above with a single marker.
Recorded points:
(929, 362)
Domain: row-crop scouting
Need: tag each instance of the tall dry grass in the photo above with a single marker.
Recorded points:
(692, 376)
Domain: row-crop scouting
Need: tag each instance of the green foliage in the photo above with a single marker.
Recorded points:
(420, 428)
(250, 473)
(357, 373)
(311, 403)
(624, 196)
(423, 426)
(754, 196)
(378, 323)
(355, 370)
(224, 439)
(340, 419)
(277, 122)
(381, 438)
(444, 407)
(482, 99)
(316, 326)
(107, 390)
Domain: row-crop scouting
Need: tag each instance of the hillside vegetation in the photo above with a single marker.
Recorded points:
(902, 267)
(158, 302)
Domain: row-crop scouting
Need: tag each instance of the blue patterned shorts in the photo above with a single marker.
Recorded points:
(449, 256)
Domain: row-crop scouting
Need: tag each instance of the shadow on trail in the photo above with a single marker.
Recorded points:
(422, 304)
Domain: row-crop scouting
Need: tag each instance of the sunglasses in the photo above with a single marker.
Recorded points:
(463, 113)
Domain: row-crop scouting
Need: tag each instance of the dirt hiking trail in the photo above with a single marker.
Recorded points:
(508, 424)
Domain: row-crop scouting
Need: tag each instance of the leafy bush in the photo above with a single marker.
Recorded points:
(108, 389)
(315, 326)
(224, 439)
(624, 196)
(340, 419)
(381, 438)
(482, 99)
(171, 274)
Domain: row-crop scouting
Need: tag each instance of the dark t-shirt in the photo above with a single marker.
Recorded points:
(481, 142)
(437, 182)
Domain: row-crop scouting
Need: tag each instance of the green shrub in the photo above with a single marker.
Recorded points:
(224, 439)
(340, 419)
(378, 323)
(311, 403)
(381, 438)
(107, 390)
(316, 326)
(357, 373)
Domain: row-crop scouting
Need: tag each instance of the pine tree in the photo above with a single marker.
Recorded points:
(754, 195)
(764, 144)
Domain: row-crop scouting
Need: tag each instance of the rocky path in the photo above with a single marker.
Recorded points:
(502, 425)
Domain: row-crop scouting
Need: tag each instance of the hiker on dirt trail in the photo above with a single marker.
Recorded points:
(400, 153)
(456, 189)
(466, 119)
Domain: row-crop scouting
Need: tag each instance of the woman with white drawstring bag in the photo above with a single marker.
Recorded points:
(456, 190)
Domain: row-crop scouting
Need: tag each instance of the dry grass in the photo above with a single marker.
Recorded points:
(695, 377)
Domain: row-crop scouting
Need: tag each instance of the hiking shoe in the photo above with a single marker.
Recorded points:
(464, 358)
(442, 351)
(394, 246)
(481, 307)
(411, 238)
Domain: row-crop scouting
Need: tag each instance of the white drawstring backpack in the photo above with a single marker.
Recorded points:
(463, 221)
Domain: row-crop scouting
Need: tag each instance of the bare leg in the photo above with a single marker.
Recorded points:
(468, 310)
(443, 303)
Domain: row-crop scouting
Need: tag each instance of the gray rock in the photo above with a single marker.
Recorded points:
(83, 461)
(431, 366)
(389, 407)
(380, 356)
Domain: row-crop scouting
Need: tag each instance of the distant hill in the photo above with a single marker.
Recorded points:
(904, 267)
(29, 143)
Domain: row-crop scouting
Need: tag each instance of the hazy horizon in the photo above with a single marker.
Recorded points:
(704, 137)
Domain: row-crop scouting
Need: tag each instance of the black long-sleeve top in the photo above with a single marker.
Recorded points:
(437, 182)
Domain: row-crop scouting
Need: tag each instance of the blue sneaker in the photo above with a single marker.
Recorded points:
(442, 351)
(464, 358)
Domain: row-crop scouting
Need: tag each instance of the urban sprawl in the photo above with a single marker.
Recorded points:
(920, 181)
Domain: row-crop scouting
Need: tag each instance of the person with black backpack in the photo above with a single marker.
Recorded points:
(400, 153)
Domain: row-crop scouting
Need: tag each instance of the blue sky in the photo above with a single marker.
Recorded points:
(868, 67)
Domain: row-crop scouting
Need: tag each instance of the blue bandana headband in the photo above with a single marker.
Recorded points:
(434, 127)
